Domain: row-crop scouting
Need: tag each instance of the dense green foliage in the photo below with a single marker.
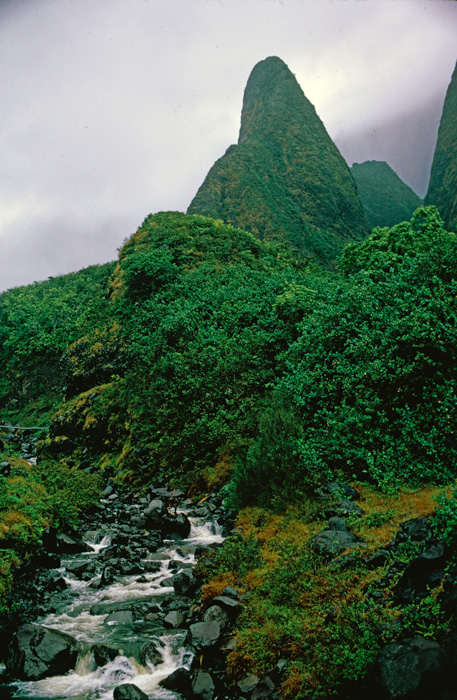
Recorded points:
(386, 199)
(202, 334)
(215, 357)
(442, 190)
(370, 392)
(285, 180)
(32, 498)
(36, 324)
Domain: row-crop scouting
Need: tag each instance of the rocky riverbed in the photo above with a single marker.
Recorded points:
(117, 608)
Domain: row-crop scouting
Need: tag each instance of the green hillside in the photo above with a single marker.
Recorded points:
(215, 360)
(442, 189)
(285, 180)
(386, 199)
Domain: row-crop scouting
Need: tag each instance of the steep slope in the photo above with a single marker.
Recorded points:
(386, 199)
(442, 190)
(285, 179)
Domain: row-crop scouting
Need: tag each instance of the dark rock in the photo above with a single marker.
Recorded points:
(248, 683)
(56, 582)
(103, 654)
(203, 686)
(154, 513)
(78, 568)
(337, 524)
(178, 525)
(185, 583)
(415, 530)
(378, 559)
(38, 652)
(414, 667)
(139, 521)
(149, 653)
(332, 542)
(121, 617)
(47, 560)
(229, 604)
(336, 490)
(263, 690)
(430, 559)
(449, 602)
(68, 544)
(108, 576)
(421, 574)
(230, 592)
(347, 507)
(174, 619)
(216, 614)
(205, 634)
(179, 681)
(277, 673)
(128, 691)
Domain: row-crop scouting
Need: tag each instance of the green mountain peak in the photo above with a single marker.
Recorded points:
(285, 179)
(442, 190)
(386, 199)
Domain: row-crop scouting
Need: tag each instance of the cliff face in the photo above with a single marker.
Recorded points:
(386, 199)
(285, 179)
(442, 190)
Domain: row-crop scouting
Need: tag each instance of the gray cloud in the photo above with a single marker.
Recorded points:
(114, 110)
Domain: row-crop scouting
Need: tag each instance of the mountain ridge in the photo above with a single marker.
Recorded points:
(442, 189)
(285, 178)
(386, 199)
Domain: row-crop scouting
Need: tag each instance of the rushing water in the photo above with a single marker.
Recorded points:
(87, 682)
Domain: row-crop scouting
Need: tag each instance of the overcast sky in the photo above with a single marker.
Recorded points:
(112, 109)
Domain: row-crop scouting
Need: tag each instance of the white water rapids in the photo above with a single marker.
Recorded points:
(87, 682)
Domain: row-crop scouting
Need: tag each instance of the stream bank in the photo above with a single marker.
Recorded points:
(117, 614)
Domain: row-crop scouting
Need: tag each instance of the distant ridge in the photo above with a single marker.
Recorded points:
(286, 178)
(442, 190)
(386, 199)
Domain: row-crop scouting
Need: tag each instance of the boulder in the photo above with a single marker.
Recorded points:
(128, 691)
(423, 573)
(56, 582)
(174, 619)
(120, 617)
(37, 652)
(70, 544)
(203, 685)
(379, 558)
(154, 513)
(178, 525)
(179, 681)
(335, 489)
(205, 634)
(185, 583)
(337, 524)
(334, 542)
(79, 568)
(230, 592)
(346, 507)
(263, 690)
(108, 577)
(414, 667)
(103, 654)
(216, 614)
(415, 530)
(248, 683)
(149, 654)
